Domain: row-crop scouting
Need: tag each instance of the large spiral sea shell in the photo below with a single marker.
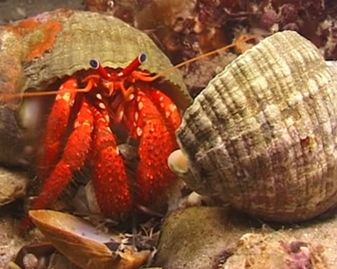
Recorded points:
(263, 132)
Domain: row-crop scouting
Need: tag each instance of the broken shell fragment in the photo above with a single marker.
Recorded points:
(82, 243)
(263, 132)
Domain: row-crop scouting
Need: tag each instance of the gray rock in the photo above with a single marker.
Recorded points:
(12, 186)
(195, 237)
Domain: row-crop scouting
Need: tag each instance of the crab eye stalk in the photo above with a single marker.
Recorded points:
(141, 58)
(100, 69)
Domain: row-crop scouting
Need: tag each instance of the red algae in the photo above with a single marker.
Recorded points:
(40, 37)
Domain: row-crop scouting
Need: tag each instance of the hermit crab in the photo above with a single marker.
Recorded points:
(88, 58)
(262, 135)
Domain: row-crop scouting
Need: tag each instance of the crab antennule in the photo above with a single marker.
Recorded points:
(141, 58)
(101, 70)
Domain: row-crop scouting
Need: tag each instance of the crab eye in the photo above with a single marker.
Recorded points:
(94, 63)
(140, 59)
(101, 70)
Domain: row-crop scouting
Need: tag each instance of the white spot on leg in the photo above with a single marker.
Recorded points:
(136, 116)
(131, 96)
(84, 123)
(65, 96)
(167, 114)
(99, 96)
(161, 98)
(140, 105)
(139, 131)
(120, 116)
(173, 107)
(101, 105)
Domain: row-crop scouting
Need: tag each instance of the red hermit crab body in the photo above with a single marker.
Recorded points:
(146, 113)
(55, 50)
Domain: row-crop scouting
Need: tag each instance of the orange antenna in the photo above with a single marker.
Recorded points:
(238, 44)
(44, 93)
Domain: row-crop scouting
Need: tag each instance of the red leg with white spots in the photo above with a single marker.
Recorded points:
(110, 180)
(148, 114)
(56, 128)
(165, 106)
(157, 141)
(74, 155)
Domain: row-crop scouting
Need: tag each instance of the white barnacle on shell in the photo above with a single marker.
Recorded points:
(263, 132)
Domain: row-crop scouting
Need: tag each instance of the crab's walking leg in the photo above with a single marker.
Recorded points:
(166, 107)
(74, 154)
(110, 178)
(157, 141)
(55, 129)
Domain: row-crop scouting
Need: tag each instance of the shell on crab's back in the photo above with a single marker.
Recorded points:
(39, 50)
(59, 43)
(263, 132)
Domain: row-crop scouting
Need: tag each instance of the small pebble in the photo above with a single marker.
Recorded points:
(30, 261)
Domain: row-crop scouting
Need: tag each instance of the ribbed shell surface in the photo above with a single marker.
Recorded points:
(263, 132)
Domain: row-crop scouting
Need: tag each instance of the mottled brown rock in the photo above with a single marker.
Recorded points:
(12, 186)
(205, 237)
(194, 237)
